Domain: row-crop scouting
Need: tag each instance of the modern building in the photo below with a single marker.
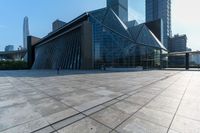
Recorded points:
(25, 32)
(100, 38)
(120, 7)
(15, 55)
(160, 9)
(195, 59)
(178, 43)
(9, 48)
(57, 24)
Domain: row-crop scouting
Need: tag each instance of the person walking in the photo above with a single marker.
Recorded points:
(58, 70)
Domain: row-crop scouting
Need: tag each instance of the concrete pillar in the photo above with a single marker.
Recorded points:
(86, 46)
(30, 52)
(31, 41)
(187, 61)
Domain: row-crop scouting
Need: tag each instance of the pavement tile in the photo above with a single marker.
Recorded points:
(93, 110)
(92, 103)
(11, 100)
(42, 97)
(53, 118)
(59, 90)
(165, 104)
(86, 125)
(190, 109)
(77, 98)
(138, 99)
(48, 129)
(184, 125)
(47, 106)
(172, 131)
(16, 115)
(34, 95)
(110, 102)
(68, 121)
(136, 125)
(126, 107)
(28, 127)
(110, 117)
(157, 117)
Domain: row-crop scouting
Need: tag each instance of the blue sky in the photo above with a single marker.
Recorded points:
(42, 13)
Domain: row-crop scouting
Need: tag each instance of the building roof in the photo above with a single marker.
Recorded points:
(137, 33)
(68, 25)
(106, 16)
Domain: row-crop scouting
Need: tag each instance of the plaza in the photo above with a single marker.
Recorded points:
(158, 101)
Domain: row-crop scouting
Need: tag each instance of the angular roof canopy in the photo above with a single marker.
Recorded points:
(107, 17)
(138, 33)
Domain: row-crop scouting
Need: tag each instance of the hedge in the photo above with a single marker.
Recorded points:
(13, 65)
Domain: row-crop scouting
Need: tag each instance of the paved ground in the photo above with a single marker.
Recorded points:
(126, 102)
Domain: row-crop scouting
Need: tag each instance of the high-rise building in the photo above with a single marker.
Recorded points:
(25, 32)
(178, 43)
(9, 48)
(57, 24)
(160, 9)
(120, 7)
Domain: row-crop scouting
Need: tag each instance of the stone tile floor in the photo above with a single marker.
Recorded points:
(96, 102)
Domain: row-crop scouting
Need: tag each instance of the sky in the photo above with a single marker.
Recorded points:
(41, 13)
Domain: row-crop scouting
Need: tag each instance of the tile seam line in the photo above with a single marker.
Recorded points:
(69, 116)
(166, 77)
(179, 103)
(99, 104)
(146, 104)
(107, 101)
(126, 97)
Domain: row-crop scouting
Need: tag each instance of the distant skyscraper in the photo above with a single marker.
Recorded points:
(25, 32)
(9, 48)
(120, 7)
(160, 9)
(57, 24)
(178, 43)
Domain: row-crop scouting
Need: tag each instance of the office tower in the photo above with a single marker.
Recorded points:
(120, 7)
(178, 43)
(25, 32)
(9, 48)
(160, 9)
(57, 25)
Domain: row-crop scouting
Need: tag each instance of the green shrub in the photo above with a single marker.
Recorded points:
(13, 65)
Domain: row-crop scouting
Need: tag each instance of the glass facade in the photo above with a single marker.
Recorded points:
(115, 45)
(160, 9)
(62, 52)
(99, 39)
(120, 7)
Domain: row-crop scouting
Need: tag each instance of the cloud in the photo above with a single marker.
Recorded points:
(135, 15)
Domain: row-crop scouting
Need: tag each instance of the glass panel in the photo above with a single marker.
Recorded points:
(112, 49)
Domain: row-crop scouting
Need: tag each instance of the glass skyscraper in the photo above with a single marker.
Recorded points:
(120, 7)
(25, 32)
(160, 9)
